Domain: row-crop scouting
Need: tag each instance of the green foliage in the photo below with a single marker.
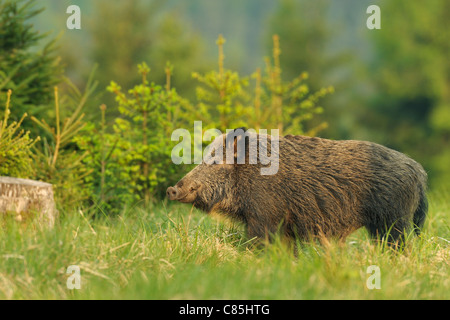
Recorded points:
(314, 41)
(221, 97)
(133, 162)
(304, 48)
(149, 114)
(56, 160)
(411, 80)
(30, 73)
(174, 41)
(143, 32)
(286, 105)
(15, 146)
(122, 44)
(225, 100)
(106, 156)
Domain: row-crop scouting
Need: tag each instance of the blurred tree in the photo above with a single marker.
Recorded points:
(289, 106)
(242, 22)
(411, 75)
(178, 44)
(28, 72)
(122, 36)
(126, 33)
(305, 30)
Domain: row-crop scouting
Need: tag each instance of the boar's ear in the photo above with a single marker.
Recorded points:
(239, 141)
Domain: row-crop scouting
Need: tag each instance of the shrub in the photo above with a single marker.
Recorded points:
(132, 160)
(225, 100)
(57, 160)
(15, 146)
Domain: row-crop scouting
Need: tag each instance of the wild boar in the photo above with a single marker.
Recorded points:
(321, 189)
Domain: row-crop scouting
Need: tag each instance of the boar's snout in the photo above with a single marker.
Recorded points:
(172, 193)
(183, 192)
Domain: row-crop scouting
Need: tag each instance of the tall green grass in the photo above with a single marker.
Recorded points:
(174, 252)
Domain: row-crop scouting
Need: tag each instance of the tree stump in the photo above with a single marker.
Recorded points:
(27, 198)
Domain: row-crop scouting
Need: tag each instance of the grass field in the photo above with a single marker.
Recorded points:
(178, 253)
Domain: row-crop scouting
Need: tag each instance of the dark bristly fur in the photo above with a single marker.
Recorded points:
(323, 188)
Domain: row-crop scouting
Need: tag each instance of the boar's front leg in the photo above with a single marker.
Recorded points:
(259, 231)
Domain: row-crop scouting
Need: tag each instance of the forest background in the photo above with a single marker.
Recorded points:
(91, 111)
(304, 67)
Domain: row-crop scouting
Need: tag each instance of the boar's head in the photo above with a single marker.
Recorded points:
(212, 184)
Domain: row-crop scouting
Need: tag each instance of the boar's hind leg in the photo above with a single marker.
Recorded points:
(394, 223)
(388, 230)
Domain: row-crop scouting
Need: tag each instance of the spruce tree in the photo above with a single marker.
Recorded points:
(28, 62)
